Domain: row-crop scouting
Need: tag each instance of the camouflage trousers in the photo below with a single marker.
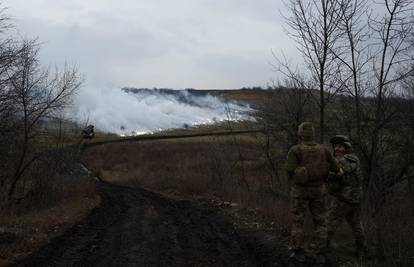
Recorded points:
(339, 210)
(314, 199)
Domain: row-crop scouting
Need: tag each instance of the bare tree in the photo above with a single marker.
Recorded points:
(9, 51)
(355, 40)
(391, 63)
(408, 121)
(377, 65)
(314, 25)
(37, 94)
(285, 107)
(374, 55)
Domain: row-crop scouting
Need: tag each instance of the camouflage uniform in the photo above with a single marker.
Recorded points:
(309, 193)
(346, 201)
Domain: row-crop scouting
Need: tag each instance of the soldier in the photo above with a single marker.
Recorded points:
(308, 165)
(346, 193)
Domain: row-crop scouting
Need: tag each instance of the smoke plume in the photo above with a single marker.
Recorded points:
(137, 111)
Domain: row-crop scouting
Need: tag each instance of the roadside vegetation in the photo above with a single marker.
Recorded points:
(43, 190)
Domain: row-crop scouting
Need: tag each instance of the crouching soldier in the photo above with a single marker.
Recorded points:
(308, 166)
(346, 191)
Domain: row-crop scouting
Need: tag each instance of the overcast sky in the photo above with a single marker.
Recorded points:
(158, 43)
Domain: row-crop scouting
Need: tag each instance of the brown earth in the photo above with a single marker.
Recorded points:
(25, 234)
(135, 227)
(29, 225)
(142, 219)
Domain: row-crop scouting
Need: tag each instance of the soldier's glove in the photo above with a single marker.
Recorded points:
(341, 172)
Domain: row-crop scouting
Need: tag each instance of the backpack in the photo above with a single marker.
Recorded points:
(314, 159)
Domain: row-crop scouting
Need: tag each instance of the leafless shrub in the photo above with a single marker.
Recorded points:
(285, 107)
(29, 96)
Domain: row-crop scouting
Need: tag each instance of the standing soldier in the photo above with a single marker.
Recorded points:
(308, 166)
(347, 192)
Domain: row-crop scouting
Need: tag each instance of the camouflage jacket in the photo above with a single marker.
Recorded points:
(349, 186)
(294, 159)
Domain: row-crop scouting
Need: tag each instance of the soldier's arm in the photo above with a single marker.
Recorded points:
(354, 167)
(333, 164)
(359, 174)
(352, 163)
(291, 162)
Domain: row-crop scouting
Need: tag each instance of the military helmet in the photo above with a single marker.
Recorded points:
(306, 130)
(341, 139)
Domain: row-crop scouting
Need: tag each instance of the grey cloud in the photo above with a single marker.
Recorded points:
(183, 43)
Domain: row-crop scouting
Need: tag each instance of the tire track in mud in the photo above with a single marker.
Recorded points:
(135, 227)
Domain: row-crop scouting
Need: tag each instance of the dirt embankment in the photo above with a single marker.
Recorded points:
(134, 227)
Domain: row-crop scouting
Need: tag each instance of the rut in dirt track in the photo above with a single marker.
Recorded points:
(135, 227)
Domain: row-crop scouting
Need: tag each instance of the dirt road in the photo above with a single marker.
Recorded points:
(134, 227)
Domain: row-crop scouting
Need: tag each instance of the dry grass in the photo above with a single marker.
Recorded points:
(23, 234)
(249, 96)
(391, 231)
(211, 168)
(52, 196)
(232, 169)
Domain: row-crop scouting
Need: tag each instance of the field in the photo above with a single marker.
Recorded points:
(192, 167)
(224, 174)
(243, 176)
(233, 173)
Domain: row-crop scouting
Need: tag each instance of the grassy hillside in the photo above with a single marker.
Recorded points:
(244, 176)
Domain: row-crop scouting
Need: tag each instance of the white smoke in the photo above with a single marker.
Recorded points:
(115, 111)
